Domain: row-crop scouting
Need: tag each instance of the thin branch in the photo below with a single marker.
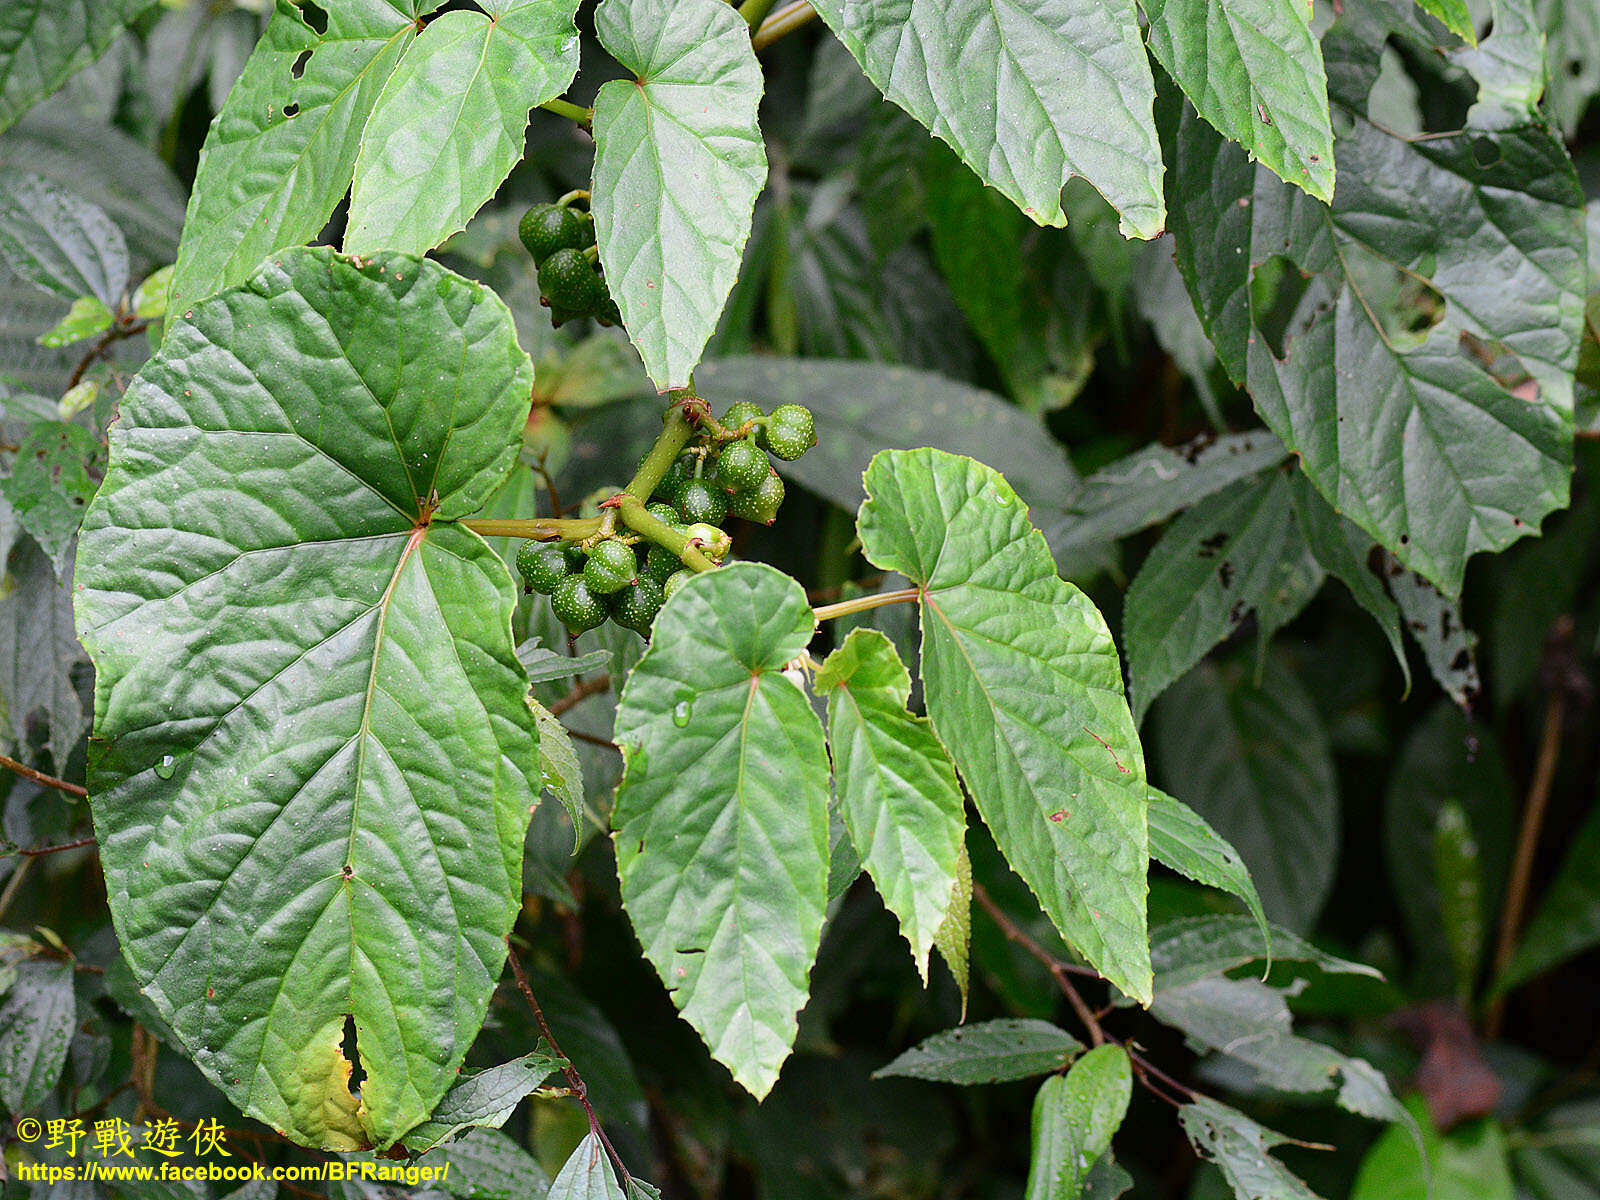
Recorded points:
(863, 603)
(782, 23)
(40, 777)
(580, 692)
(593, 739)
(36, 851)
(110, 337)
(583, 117)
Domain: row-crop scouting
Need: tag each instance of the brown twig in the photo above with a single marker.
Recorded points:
(580, 692)
(573, 1078)
(40, 777)
(594, 740)
(106, 340)
(36, 851)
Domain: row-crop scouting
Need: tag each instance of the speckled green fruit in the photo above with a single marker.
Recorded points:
(576, 607)
(742, 467)
(611, 567)
(575, 557)
(699, 501)
(542, 567)
(760, 504)
(568, 281)
(790, 431)
(665, 513)
(544, 229)
(661, 563)
(675, 581)
(741, 412)
(636, 605)
(678, 474)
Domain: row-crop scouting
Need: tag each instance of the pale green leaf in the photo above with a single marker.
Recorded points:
(44, 42)
(1193, 947)
(678, 164)
(1254, 70)
(988, 1052)
(1074, 1118)
(1181, 839)
(1455, 16)
(60, 241)
(149, 299)
(1024, 687)
(559, 765)
(897, 790)
(1028, 92)
(721, 818)
(953, 938)
(87, 317)
(1240, 1148)
(1434, 622)
(483, 1098)
(1470, 1162)
(586, 1176)
(51, 484)
(450, 122)
(281, 152)
(36, 1023)
(313, 759)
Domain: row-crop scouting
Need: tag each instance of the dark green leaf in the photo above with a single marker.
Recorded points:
(1024, 688)
(1074, 1118)
(722, 816)
(1240, 1148)
(1567, 921)
(50, 485)
(45, 42)
(988, 1052)
(689, 116)
(38, 651)
(36, 1022)
(485, 1164)
(1193, 947)
(1181, 839)
(353, 641)
(60, 241)
(483, 1098)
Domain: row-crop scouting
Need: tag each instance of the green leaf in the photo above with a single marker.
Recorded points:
(1468, 1163)
(861, 408)
(36, 1023)
(586, 1175)
(722, 816)
(38, 651)
(678, 164)
(450, 122)
(1029, 93)
(1572, 32)
(483, 1098)
(897, 790)
(1024, 687)
(149, 299)
(1193, 947)
(1434, 622)
(1366, 332)
(1150, 485)
(988, 1052)
(1458, 872)
(953, 938)
(1567, 921)
(1455, 16)
(1209, 572)
(1181, 839)
(44, 42)
(485, 1164)
(559, 765)
(51, 484)
(87, 317)
(1254, 70)
(281, 152)
(545, 665)
(304, 627)
(60, 241)
(1239, 1146)
(1074, 1118)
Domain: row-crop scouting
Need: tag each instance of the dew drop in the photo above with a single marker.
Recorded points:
(166, 766)
(681, 711)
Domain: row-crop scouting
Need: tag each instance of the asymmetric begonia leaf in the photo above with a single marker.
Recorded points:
(281, 152)
(678, 163)
(1254, 70)
(313, 758)
(721, 818)
(44, 42)
(1028, 92)
(450, 122)
(897, 790)
(1024, 687)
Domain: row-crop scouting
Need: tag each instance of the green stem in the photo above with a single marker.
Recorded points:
(782, 23)
(862, 603)
(539, 529)
(755, 11)
(674, 436)
(573, 112)
(637, 518)
(570, 197)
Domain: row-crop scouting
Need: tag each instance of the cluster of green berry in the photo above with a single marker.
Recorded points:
(728, 474)
(561, 240)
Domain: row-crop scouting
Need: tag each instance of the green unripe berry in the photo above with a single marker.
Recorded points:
(611, 567)
(576, 607)
(665, 513)
(714, 543)
(760, 504)
(741, 412)
(675, 581)
(575, 557)
(699, 501)
(660, 564)
(790, 431)
(678, 474)
(742, 467)
(568, 281)
(544, 229)
(542, 567)
(636, 605)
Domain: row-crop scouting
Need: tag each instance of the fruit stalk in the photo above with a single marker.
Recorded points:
(674, 436)
(634, 515)
(539, 529)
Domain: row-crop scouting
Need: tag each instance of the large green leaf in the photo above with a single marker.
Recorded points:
(44, 42)
(1469, 1162)
(678, 163)
(988, 1052)
(1254, 71)
(1181, 839)
(1028, 92)
(59, 241)
(1323, 312)
(1074, 1116)
(897, 790)
(313, 757)
(281, 152)
(1024, 687)
(449, 124)
(722, 816)
(1254, 761)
